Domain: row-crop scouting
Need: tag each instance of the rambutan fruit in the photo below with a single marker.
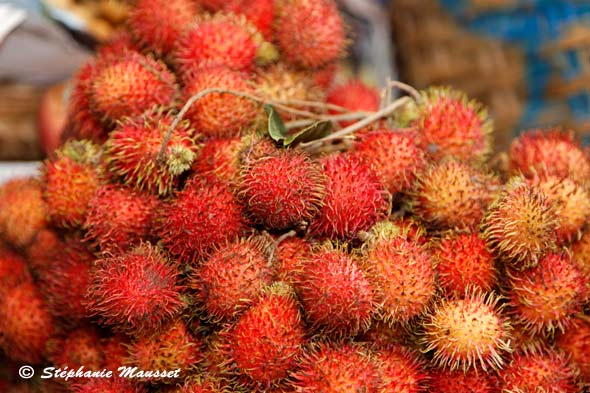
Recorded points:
(405, 227)
(223, 41)
(43, 250)
(232, 278)
(267, 339)
(453, 195)
(258, 12)
(445, 381)
(13, 270)
(134, 145)
(450, 125)
(282, 190)
(291, 254)
(526, 341)
(220, 159)
(355, 96)
(136, 291)
(382, 334)
(575, 343)
(571, 202)
(467, 333)
(520, 225)
(115, 350)
(545, 297)
(201, 384)
(400, 370)
(324, 76)
(205, 214)
(549, 153)
(336, 295)
(120, 42)
(310, 34)
(119, 217)
(23, 211)
(354, 201)
(462, 260)
(160, 30)
(219, 115)
(129, 85)
(402, 276)
(25, 323)
(64, 283)
(170, 348)
(547, 372)
(70, 181)
(109, 385)
(394, 156)
(334, 368)
(80, 347)
(581, 259)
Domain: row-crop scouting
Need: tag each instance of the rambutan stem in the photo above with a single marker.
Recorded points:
(276, 243)
(407, 88)
(358, 125)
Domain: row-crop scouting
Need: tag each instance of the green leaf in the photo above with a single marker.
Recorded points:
(311, 132)
(276, 127)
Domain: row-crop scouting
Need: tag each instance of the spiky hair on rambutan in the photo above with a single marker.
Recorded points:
(355, 199)
(130, 84)
(552, 152)
(400, 369)
(310, 34)
(575, 343)
(337, 296)
(133, 147)
(283, 189)
(449, 124)
(70, 180)
(202, 216)
(232, 277)
(159, 31)
(119, 218)
(355, 96)
(109, 385)
(453, 195)
(520, 225)
(445, 381)
(135, 292)
(467, 333)
(545, 297)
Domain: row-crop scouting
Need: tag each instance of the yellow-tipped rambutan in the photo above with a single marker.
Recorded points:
(453, 195)
(355, 198)
(310, 34)
(545, 297)
(232, 278)
(449, 124)
(468, 333)
(520, 225)
(462, 260)
(136, 291)
(393, 155)
(549, 153)
(132, 152)
(283, 189)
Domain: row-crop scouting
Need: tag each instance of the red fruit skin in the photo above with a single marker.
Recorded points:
(462, 261)
(291, 254)
(25, 323)
(355, 199)
(544, 372)
(336, 295)
(545, 297)
(130, 85)
(135, 292)
(224, 41)
(354, 96)
(43, 251)
(400, 370)
(394, 156)
(81, 347)
(119, 218)
(109, 385)
(219, 115)
(202, 216)
(68, 188)
(337, 368)
(310, 34)
(116, 351)
(258, 12)
(220, 158)
(575, 343)
(282, 190)
(13, 270)
(120, 42)
(266, 340)
(231, 278)
(23, 211)
(160, 30)
(461, 382)
(553, 152)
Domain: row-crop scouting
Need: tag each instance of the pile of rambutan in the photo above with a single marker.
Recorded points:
(223, 217)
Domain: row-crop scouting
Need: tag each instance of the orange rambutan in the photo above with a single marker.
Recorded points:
(400, 370)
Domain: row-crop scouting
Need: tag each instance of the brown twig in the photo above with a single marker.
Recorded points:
(276, 243)
(407, 88)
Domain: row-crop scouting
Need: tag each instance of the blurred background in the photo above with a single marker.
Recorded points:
(527, 60)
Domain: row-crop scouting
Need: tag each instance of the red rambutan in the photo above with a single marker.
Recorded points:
(581, 259)
(291, 254)
(13, 270)
(258, 12)
(80, 347)
(400, 370)
(109, 385)
(354, 96)
(220, 159)
(445, 381)
(575, 343)
(135, 292)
